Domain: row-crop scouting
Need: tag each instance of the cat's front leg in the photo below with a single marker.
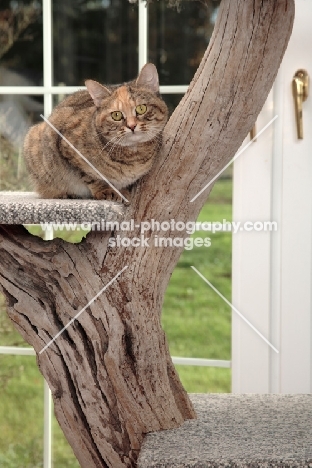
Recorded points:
(102, 191)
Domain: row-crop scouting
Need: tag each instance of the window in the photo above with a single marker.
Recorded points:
(48, 49)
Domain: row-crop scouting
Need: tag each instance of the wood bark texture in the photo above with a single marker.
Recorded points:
(110, 371)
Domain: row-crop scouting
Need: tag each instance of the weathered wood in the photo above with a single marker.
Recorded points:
(110, 371)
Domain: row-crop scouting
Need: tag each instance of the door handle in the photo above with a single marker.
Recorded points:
(300, 85)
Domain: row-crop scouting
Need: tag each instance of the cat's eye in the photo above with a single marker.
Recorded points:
(141, 109)
(116, 115)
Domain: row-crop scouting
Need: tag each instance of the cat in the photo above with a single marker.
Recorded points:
(117, 128)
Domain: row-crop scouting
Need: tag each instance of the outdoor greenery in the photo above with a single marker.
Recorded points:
(195, 318)
(98, 39)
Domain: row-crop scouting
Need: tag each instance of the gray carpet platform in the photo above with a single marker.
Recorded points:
(28, 208)
(236, 431)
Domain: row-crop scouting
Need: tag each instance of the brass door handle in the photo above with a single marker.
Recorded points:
(300, 86)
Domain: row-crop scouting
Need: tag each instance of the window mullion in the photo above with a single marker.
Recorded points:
(48, 105)
(47, 56)
(47, 444)
(143, 33)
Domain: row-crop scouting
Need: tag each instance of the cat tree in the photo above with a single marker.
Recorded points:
(110, 372)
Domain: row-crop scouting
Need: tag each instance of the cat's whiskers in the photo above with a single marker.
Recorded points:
(113, 142)
(154, 133)
(110, 142)
(119, 147)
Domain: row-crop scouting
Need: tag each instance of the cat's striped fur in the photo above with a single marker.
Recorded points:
(121, 150)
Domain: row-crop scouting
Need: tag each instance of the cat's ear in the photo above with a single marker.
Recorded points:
(149, 77)
(97, 91)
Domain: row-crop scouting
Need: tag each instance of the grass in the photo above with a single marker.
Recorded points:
(21, 413)
(197, 323)
(196, 320)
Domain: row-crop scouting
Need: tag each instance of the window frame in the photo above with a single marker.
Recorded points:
(48, 91)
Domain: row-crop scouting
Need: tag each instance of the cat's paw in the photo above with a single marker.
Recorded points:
(111, 195)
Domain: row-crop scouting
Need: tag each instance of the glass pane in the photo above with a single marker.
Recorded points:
(17, 113)
(57, 98)
(21, 412)
(172, 100)
(196, 379)
(95, 39)
(179, 38)
(196, 320)
(9, 336)
(21, 43)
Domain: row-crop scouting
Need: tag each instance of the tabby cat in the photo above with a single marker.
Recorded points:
(118, 129)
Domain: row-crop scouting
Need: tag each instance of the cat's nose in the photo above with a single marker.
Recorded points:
(131, 123)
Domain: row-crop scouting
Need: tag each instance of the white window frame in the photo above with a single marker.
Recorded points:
(48, 91)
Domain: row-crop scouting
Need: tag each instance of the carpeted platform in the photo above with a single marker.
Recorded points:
(236, 431)
(27, 208)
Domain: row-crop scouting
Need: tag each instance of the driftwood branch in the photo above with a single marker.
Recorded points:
(110, 371)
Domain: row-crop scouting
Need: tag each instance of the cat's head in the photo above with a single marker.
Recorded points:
(131, 113)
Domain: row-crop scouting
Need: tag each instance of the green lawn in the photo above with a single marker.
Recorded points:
(195, 318)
